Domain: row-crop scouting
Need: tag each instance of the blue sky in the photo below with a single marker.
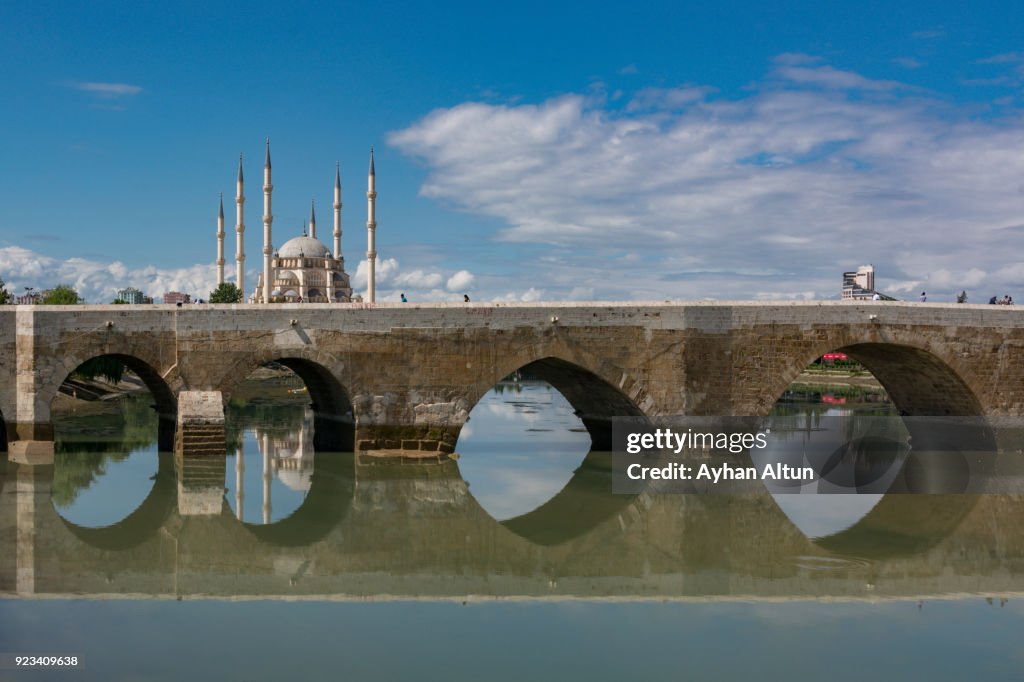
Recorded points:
(534, 151)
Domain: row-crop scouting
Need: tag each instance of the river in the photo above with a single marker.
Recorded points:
(515, 561)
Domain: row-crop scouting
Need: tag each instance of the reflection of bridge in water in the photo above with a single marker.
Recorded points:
(286, 455)
(386, 530)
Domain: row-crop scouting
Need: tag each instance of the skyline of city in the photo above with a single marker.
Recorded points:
(667, 152)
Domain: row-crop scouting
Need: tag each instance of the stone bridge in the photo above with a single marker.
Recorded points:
(404, 377)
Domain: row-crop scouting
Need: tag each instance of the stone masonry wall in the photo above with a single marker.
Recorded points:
(413, 372)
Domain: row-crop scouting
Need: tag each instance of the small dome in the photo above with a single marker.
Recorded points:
(304, 247)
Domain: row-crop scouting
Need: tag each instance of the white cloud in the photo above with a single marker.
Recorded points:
(666, 98)
(107, 90)
(384, 270)
(417, 285)
(828, 77)
(581, 294)
(812, 172)
(418, 279)
(98, 282)
(532, 294)
(908, 62)
(460, 281)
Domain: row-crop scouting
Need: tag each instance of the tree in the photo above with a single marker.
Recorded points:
(62, 294)
(103, 366)
(226, 293)
(5, 297)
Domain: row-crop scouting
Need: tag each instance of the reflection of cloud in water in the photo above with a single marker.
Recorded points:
(819, 516)
(520, 447)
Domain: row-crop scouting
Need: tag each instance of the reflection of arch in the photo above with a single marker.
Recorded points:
(585, 501)
(333, 414)
(901, 525)
(594, 398)
(143, 523)
(920, 382)
(166, 402)
(326, 504)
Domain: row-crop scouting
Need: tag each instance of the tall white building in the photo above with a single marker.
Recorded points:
(859, 284)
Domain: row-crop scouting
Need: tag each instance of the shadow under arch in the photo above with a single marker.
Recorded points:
(165, 401)
(595, 400)
(3, 433)
(919, 382)
(331, 492)
(901, 525)
(585, 502)
(950, 441)
(333, 414)
(143, 523)
(942, 413)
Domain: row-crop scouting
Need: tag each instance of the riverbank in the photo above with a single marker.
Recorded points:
(828, 378)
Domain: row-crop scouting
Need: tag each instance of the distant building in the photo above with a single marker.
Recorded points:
(131, 295)
(177, 297)
(31, 298)
(860, 284)
(147, 299)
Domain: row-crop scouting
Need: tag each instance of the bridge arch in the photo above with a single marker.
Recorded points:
(921, 381)
(584, 383)
(333, 412)
(163, 388)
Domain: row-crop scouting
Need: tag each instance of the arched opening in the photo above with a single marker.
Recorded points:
(888, 417)
(284, 421)
(112, 415)
(534, 450)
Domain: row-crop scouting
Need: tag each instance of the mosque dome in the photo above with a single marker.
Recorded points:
(304, 247)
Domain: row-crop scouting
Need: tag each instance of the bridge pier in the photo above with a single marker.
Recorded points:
(200, 427)
(31, 492)
(200, 483)
(419, 438)
(32, 443)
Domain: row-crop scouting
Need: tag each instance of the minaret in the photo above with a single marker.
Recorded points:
(337, 213)
(268, 219)
(220, 242)
(312, 218)
(371, 230)
(240, 232)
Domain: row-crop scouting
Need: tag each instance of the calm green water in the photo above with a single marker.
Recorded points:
(515, 562)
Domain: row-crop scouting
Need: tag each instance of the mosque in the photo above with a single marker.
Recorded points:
(304, 269)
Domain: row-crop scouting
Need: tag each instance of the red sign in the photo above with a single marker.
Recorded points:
(832, 357)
